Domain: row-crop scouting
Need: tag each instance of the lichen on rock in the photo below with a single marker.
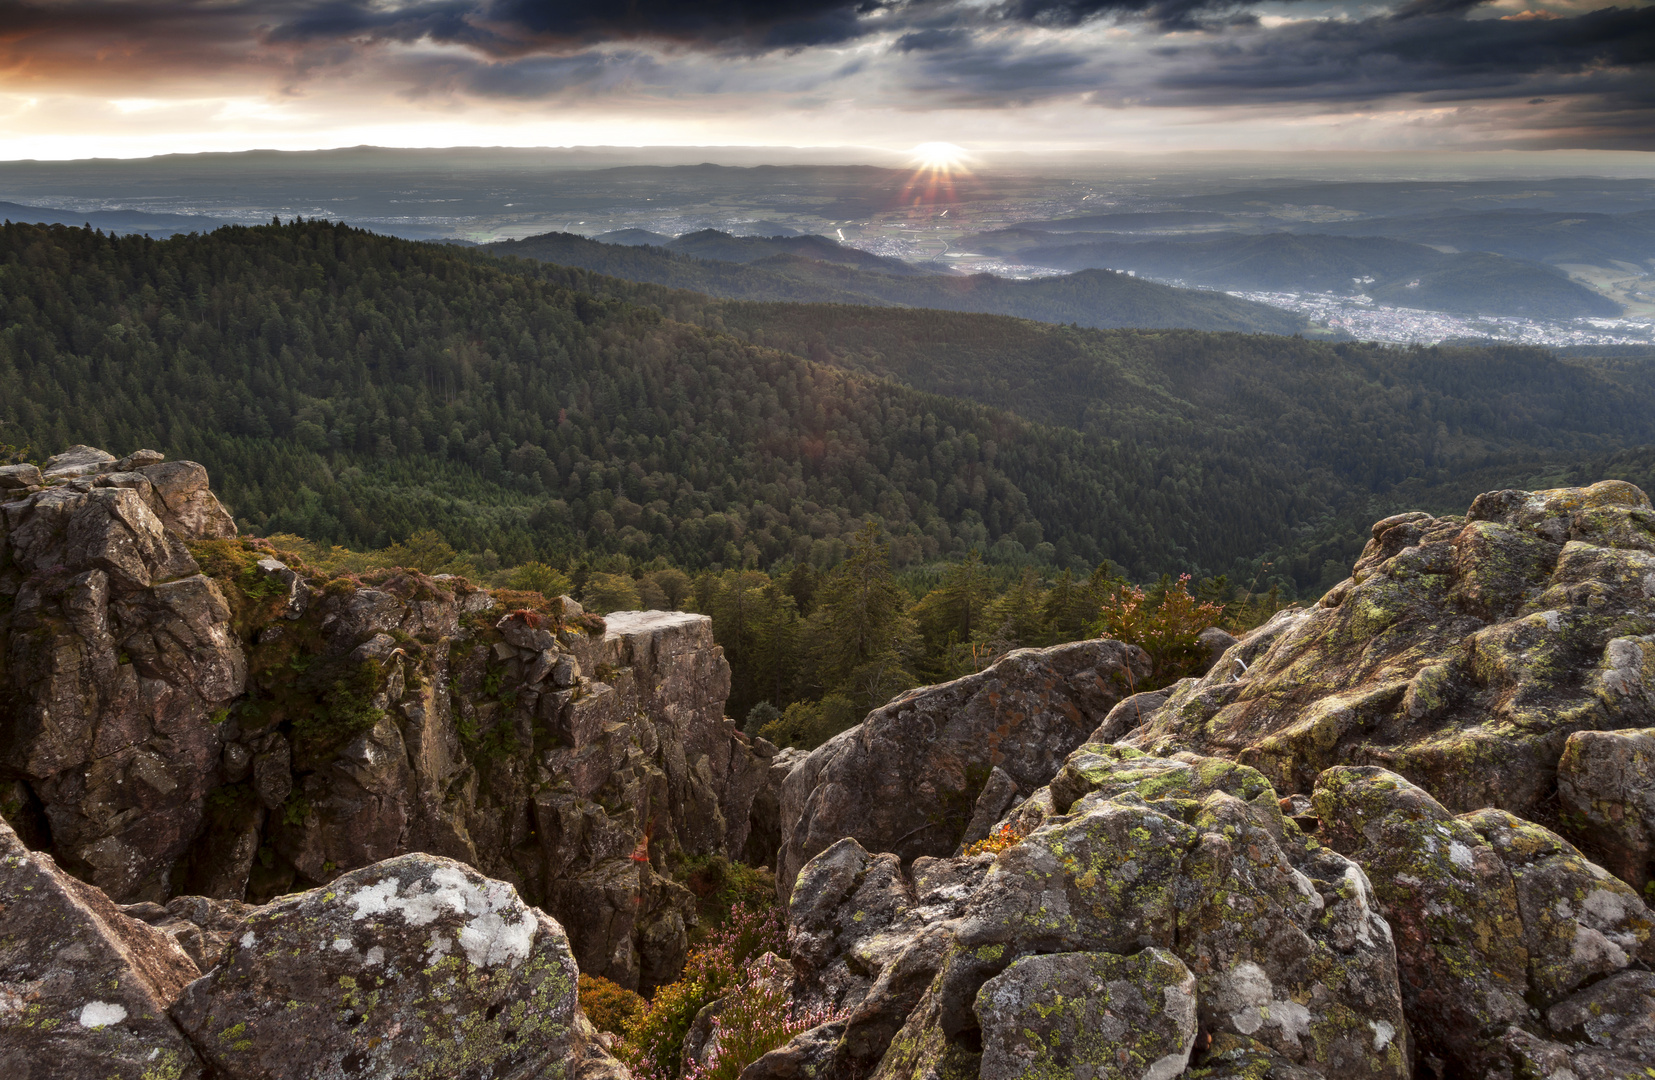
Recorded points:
(416, 967)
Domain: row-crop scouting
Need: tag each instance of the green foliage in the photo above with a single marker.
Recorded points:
(604, 593)
(425, 550)
(861, 627)
(540, 578)
(722, 886)
(359, 390)
(809, 724)
(760, 715)
(754, 1019)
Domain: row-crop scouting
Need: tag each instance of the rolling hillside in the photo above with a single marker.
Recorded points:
(1097, 298)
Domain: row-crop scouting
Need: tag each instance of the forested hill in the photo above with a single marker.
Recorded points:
(1097, 298)
(353, 388)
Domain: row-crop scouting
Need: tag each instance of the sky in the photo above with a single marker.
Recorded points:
(127, 78)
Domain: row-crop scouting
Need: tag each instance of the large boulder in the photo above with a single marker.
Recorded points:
(1088, 1014)
(1461, 653)
(84, 989)
(906, 779)
(414, 967)
(1498, 921)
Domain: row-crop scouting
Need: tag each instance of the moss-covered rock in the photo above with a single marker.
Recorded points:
(83, 988)
(1192, 856)
(1606, 789)
(1497, 920)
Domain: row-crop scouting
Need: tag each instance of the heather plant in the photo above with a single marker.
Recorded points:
(652, 1044)
(754, 1020)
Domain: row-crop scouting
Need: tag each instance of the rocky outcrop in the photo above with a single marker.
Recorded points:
(413, 967)
(1606, 796)
(1173, 890)
(83, 988)
(117, 653)
(1461, 653)
(906, 779)
(186, 712)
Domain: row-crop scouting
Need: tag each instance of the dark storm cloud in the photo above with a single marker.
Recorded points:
(1443, 56)
(1595, 70)
(511, 26)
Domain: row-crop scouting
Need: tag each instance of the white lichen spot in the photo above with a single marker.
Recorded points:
(1604, 907)
(342, 944)
(97, 1014)
(376, 956)
(248, 940)
(438, 948)
(373, 899)
(499, 928)
(1383, 1033)
(1460, 855)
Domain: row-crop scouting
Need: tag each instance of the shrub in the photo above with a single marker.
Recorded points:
(609, 1006)
(809, 724)
(1168, 631)
(997, 841)
(754, 1020)
(609, 592)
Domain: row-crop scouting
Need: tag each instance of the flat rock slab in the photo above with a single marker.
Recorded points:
(416, 967)
(84, 989)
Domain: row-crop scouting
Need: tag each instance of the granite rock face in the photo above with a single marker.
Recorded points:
(116, 652)
(1462, 653)
(84, 989)
(1071, 1013)
(182, 712)
(906, 779)
(1172, 891)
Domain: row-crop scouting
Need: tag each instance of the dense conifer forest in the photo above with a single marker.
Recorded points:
(355, 389)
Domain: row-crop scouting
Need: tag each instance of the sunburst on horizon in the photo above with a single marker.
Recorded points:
(935, 165)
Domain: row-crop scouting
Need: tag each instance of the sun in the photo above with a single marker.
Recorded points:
(938, 157)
